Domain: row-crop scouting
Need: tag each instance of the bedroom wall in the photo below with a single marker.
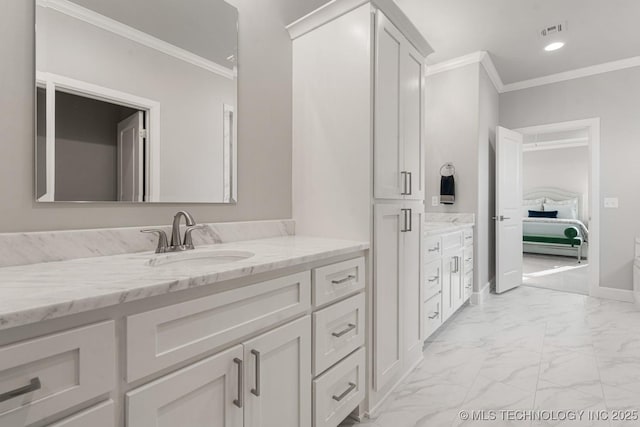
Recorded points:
(566, 168)
(615, 98)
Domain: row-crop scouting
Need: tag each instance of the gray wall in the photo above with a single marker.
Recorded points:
(264, 134)
(615, 98)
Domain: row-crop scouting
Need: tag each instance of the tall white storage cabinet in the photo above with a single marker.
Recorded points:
(358, 162)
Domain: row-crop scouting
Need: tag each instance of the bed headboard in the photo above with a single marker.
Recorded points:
(558, 194)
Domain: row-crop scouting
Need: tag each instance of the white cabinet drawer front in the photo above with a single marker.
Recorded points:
(337, 280)
(160, 338)
(468, 285)
(338, 330)
(452, 241)
(64, 370)
(432, 248)
(468, 237)
(432, 315)
(432, 279)
(339, 391)
(102, 415)
(204, 394)
(468, 260)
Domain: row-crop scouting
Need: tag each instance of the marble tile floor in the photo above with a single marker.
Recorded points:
(530, 349)
(559, 273)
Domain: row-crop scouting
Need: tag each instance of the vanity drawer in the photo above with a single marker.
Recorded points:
(432, 248)
(339, 391)
(64, 370)
(467, 259)
(468, 285)
(98, 416)
(452, 241)
(335, 281)
(432, 310)
(468, 237)
(337, 331)
(432, 279)
(160, 338)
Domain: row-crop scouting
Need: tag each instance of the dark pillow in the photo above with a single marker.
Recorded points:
(543, 214)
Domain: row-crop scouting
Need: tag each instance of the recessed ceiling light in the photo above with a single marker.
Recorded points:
(553, 46)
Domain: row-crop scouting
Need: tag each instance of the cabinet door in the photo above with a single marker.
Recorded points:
(204, 394)
(388, 265)
(389, 176)
(457, 286)
(412, 121)
(411, 283)
(278, 377)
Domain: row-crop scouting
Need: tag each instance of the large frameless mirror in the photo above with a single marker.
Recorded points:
(136, 101)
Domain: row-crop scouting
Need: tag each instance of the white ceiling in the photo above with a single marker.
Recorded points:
(599, 31)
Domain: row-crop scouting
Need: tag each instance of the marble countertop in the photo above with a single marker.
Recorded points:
(436, 228)
(37, 292)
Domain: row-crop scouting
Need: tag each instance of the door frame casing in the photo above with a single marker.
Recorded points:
(54, 82)
(593, 126)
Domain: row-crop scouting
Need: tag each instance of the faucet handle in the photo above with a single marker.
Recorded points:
(163, 245)
(188, 240)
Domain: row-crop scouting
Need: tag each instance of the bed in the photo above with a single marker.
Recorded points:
(566, 235)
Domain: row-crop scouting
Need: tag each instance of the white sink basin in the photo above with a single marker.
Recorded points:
(198, 258)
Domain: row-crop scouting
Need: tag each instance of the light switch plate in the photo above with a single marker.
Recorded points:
(435, 201)
(611, 202)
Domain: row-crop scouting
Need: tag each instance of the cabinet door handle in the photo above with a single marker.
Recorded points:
(344, 394)
(404, 183)
(341, 281)
(405, 228)
(256, 391)
(410, 219)
(436, 248)
(34, 384)
(468, 259)
(238, 402)
(349, 328)
(410, 183)
(434, 278)
(468, 237)
(435, 315)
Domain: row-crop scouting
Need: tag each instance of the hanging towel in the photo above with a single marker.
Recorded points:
(447, 190)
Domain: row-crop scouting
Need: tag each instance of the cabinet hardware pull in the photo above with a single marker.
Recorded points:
(434, 278)
(435, 315)
(256, 391)
(435, 248)
(410, 183)
(344, 394)
(468, 238)
(351, 327)
(34, 384)
(404, 183)
(468, 259)
(341, 281)
(410, 219)
(238, 402)
(404, 212)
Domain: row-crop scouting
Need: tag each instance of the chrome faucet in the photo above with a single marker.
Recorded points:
(177, 244)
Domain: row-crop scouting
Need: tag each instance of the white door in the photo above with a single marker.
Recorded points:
(278, 377)
(412, 113)
(388, 271)
(131, 158)
(204, 394)
(508, 209)
(411, 301)
(389, 176)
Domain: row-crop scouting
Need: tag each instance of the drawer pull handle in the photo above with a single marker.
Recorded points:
(436, 248)
(434, 278)
(341, 281)
(349, 328)
(435, 315)
(468, 238)
(238, 401)
(256, 391)
(468, 259)
(34, 384)
(344, 394)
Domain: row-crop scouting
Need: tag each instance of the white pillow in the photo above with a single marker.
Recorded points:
(531, 205)
(567, 209)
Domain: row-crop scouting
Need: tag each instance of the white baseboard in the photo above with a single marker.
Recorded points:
(612, 293)
(481, 296)
(373, 411)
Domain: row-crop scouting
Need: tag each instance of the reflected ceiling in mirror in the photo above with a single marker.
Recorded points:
(136, 101)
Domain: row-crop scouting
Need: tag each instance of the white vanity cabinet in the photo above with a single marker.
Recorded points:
(448, 278)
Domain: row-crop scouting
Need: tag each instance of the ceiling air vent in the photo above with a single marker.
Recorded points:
(553, 29)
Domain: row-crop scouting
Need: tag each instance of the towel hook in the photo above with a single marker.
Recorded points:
(449, 168)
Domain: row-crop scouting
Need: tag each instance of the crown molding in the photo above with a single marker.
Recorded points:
(480, 57)
(336, 8)
(93, 18)
(575, 74)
